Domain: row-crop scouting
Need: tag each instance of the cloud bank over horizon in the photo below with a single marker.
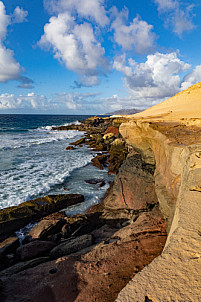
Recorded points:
(96, 42)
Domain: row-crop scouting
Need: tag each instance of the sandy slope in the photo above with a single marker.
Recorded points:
(184, 105)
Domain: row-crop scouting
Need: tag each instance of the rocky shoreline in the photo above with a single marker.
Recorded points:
(91, 256)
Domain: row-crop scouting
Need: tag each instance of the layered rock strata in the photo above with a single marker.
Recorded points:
(175, 147)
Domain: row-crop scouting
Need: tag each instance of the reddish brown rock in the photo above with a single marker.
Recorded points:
(70, 148)
(112, 129)
(133, 187)
(99, 274)
(34, 249)
(95, 162)
(78, 142)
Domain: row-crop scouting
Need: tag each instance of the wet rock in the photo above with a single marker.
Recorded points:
(99, 161)
(95, 162)
(94, 181)
(70, 148)
(13, 218)
(79, 141)
(71, 246)
(34, 249)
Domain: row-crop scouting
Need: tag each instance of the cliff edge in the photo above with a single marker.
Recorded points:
(169, 135)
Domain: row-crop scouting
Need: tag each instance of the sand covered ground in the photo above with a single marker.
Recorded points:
(185, 106)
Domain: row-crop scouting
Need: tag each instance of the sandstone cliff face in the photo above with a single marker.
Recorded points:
(176, 150)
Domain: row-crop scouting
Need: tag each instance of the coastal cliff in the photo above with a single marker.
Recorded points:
(174, 145)
(118, 248)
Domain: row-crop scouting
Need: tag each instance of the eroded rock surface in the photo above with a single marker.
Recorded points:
(175, 146)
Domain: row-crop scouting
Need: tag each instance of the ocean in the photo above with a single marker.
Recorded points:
(34, 161)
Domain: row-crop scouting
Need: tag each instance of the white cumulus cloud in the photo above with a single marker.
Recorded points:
(19, 15)
(30, 101)
(93, 9)
(137, 35)
(75, 45)
(192, 78)
(154, 80)
(176, 14)
(9, 68)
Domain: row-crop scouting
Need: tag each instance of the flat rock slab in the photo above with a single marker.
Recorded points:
(45, 228)
(13, 218)
(34, 249)
(71, 246)
(21, 266)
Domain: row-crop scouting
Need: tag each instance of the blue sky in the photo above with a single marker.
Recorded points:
(96, 56)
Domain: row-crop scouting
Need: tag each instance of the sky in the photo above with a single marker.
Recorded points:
(96, 56)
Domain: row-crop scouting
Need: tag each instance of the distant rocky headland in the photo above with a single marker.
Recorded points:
(124, 112)
(142, 241)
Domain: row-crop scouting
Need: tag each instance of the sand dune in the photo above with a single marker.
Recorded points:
(184, 105)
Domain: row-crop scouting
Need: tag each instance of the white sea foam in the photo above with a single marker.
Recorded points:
(39, 173)
(35, 138)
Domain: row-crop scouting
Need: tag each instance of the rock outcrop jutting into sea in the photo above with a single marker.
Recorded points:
(117, 250)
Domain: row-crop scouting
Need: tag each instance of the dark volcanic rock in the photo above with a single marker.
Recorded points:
(34, 249)
(13, 218)
(71, 246)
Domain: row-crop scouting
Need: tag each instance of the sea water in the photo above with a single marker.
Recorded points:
(34, 161)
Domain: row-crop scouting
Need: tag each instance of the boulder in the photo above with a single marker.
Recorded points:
(112, 129)
(95, 162)
(79, 141)
(48, 226)
(108, 136)
(34, 249)
(13, 218)
(8, 246)
(71, 246)
(70, 148)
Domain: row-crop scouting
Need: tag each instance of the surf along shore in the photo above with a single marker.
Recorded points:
(118, 249)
